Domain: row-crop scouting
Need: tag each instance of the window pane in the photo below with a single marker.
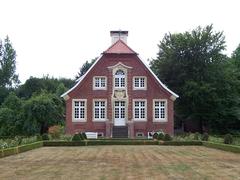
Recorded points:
(142, 83)
(97, 83)
(122, 82)
(136, 82)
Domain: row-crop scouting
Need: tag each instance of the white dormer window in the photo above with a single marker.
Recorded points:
(139, 83)
(119, 79)
(99, 83)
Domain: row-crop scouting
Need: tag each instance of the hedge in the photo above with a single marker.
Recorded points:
(31, 146)
(99, 142)
(19, 149)
(63, 143)
(224, 147)
(181, 143)
(121, 142)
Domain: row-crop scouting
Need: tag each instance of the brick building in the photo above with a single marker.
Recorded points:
(119, 96)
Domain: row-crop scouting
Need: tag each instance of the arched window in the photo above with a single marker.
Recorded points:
(119, 78)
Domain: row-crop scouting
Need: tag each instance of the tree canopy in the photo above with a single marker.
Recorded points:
(193, 65)
(8, 76)
(85, 68)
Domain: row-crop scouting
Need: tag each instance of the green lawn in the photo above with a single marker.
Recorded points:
(122, 162)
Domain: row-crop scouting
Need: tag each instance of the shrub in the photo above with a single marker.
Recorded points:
(76, 137)
(228, 139)
(66, 137)
(160, 136)
(196, 136)
(84, 135)
(155, 135)
(81, 135)
(55, 131)
(39, 137)
(45, 136)
(167, 137)
(205, 137)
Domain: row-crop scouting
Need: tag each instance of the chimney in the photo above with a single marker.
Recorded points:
(116, 35)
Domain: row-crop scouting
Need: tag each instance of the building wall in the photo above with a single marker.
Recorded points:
(85, 91)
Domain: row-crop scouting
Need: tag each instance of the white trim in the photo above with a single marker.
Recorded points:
(85, 111)
(79, 80)
(140, 88)
(165, 111)
(99, 88)
(145, 110)
(154, 75)
(119, 64)
(93, 109)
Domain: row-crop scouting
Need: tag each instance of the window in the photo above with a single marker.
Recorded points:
(160, 110)
(119, 79)
(139, 82)
(140, 135)
(99, 110)
(79, 110)
(100, 82)
(140, 110)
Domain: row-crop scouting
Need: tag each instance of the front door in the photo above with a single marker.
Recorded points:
(119, 113)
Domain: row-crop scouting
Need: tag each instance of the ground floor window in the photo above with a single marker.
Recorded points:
(99, 110)
(79, 110)
(139, 109)
(160, 110)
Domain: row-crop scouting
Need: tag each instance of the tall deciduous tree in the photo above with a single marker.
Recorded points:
(85, 68)
(8, 76)
(193, 65)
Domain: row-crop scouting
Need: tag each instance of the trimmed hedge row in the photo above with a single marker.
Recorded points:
(20, 149)
(63, 143)
(99, 142)
(224, 147)
(120, 142)
(181, 143)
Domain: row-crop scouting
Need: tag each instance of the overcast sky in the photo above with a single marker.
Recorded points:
(56, 37)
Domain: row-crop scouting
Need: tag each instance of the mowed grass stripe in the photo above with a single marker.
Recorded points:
(122, 162)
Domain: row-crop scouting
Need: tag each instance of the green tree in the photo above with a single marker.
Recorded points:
(42, 111)
(193, 65)
(85, 67)
(11, 119)
(8, 76)
(35, 85)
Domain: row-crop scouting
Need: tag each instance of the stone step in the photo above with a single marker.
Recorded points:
(120, 132)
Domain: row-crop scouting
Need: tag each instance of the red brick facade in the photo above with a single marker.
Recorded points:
(134, 67)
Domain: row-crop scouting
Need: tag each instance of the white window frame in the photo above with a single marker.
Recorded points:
(165, 119)
(139, 87)
(145, 110)
(73, 111)
(100, 87)
(99, 119)
(120, 77)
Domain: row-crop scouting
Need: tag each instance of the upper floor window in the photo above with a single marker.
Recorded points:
(100, 82)
(139, 82)
(160, 110)
(119, 79)
(79, 110)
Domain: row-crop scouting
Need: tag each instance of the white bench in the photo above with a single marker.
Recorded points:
(91, 135)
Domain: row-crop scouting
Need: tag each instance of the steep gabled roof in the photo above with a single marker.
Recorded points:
(119, 47)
